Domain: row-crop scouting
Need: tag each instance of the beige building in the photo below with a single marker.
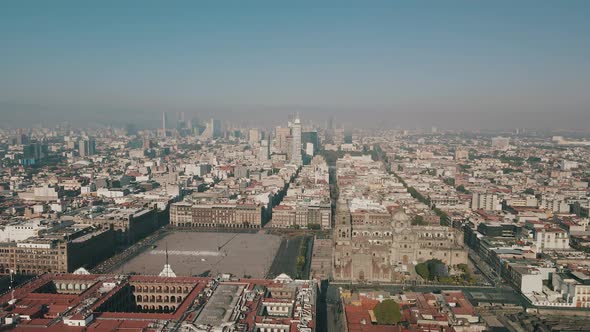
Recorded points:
(216, 215)
(62, 252)
(302, 216)
(376, 249)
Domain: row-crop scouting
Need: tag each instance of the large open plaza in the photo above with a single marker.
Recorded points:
(196, 253)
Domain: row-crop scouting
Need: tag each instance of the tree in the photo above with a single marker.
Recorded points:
(418, 220)
(431, 269)
(529, 191)
(422, 270)
(449, 181)
(462, 189)
(387, 312)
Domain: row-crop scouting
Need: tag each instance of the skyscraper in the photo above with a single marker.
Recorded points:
(254, 136)
(216, 124)
(296, 157)
(264, 152)
(281, 134)
(213, 129)
(163, 124)
(87, 147)
(83, 148)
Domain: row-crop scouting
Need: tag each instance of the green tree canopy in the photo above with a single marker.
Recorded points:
(387, 312)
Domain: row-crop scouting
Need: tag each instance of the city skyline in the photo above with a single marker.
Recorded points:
(263, 166)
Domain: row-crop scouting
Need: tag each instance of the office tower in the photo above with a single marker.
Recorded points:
(130, 129)
(216, 124)
(289, 151)
(329, 134)
(21, 139)
(309, 149)
(253, 136)
(91, 146)
(163, 124)
(213, 129)
(33, 152)
(264, 152)
(310, 137)
(296, 157)
(82, 147)
(348, 136)
(281, 134)
(87, 147)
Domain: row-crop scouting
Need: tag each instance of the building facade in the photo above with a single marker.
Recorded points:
(376, 248)
(58, 253)
(216, 215)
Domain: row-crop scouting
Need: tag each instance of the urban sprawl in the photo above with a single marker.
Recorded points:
(211, 226)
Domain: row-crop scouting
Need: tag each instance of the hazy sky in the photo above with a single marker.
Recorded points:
(382, 56)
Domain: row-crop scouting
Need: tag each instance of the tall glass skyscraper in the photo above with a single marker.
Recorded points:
(296, 157)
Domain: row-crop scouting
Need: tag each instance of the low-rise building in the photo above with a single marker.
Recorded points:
(231, 215)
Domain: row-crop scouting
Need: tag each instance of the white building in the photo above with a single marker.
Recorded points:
(20, 231)
(309, 149)
(574, 288)
(296, 157)
(112, 193)
(199, 170)
(485, 201)
(554, 239)
(528, 280)
(554, 205)
(568, 165)
(46, 193)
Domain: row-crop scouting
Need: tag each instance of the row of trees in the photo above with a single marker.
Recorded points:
(302, 258)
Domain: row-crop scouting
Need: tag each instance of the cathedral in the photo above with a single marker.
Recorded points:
(373, 246)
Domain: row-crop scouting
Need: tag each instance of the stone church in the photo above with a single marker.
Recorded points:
(374, 246)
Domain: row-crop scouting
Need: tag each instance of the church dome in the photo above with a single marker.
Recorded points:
(400, 217)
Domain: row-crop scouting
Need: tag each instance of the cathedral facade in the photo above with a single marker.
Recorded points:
(376, 246)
